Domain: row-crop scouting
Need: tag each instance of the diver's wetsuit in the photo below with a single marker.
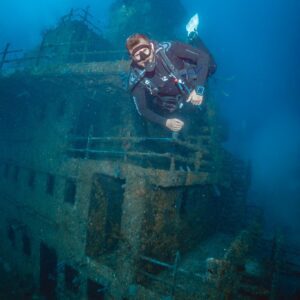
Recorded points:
(156, 95)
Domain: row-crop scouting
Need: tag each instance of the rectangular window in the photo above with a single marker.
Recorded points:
(31, 179)
(26, 245)
(70, 190)
(11, 235)
(16, 174)
(42, 112)
(50, 184)
(61, 110)
(72, 279)
(6, 171)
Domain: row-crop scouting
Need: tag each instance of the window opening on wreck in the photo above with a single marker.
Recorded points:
(6, 170)
(16, 174)
(95, 290)
(50, 184)
(42, 112)
(72, 279)
(11, 235)
(31, 179)
(70, 191)
(105, 212)
(26, 245)
(61, 109)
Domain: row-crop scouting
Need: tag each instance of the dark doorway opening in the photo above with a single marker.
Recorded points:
(72, 279)
(26, 244)
(95, 291)
(48, 272)
(11, 235)
(70, 191)
(105, 214)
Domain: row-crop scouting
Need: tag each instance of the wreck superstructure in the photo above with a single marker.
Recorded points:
(98, 204)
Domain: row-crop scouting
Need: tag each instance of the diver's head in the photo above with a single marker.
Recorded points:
(141, 49)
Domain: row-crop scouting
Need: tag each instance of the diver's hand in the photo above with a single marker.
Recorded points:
(194, 98)
(174, 124)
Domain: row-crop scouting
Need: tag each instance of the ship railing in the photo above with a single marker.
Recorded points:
(8, 56)
(83, 15)
(77, 51)
(173, 153)
(13, 60)
(170, 281)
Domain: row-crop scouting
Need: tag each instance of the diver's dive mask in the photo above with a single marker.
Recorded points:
(142, 55)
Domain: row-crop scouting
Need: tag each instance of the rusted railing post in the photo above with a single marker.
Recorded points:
(4, 53)
(175, 270)
(88, 144)
(85, 50)
(172, 164)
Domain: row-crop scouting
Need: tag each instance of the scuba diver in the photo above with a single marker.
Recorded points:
(165, 77)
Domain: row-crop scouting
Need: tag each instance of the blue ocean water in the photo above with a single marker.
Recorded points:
(256, 46)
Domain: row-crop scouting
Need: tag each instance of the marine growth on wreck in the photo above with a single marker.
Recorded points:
(97, 203)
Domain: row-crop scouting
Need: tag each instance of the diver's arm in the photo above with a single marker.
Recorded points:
(199, 57)
(139, 98)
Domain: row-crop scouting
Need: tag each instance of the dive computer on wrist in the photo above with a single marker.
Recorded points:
(200, 89)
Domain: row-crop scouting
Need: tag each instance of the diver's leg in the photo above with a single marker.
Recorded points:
(195, 41)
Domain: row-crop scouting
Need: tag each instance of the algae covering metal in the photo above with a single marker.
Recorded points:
(124, 210)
